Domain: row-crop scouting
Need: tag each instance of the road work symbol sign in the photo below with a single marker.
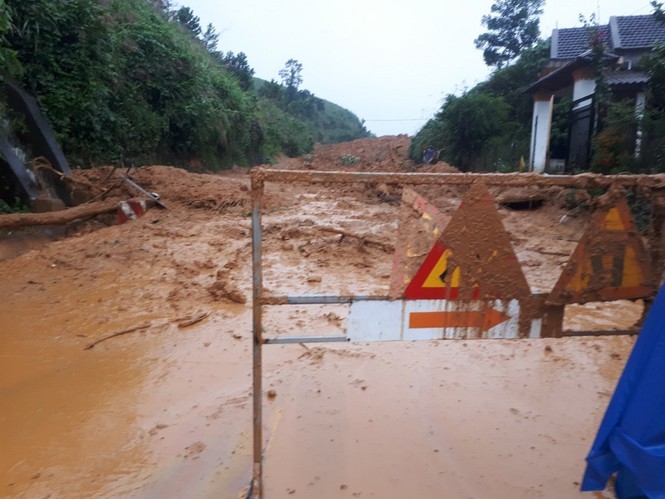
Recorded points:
(609, 263)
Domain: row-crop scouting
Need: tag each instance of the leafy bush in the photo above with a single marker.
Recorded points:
(347, 159)
(16, 207)
(326, 122)
(613, 145)
(282, 132)
(467, 123)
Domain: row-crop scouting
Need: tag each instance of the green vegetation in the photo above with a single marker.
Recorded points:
(16, 207)
(347, 159)
(512, 27)
(614, 148)
(489, 126)
(294, 120)
(291, 77)
(7, 55)
(133, 82)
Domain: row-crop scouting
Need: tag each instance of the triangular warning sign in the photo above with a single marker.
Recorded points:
(609, 263)
(420, 225)
(472, 259)
(439, 277)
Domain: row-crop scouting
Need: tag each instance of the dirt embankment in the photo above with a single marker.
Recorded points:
(385, 154)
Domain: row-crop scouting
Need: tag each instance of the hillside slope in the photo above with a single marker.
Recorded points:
(132, 82)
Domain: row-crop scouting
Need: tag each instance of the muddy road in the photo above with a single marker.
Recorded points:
(125, 352)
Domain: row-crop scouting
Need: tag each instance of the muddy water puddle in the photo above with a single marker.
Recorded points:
(61, 404)
(321, 247)
(103, 421)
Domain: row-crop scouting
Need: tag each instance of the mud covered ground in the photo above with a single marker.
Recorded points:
(125, 351)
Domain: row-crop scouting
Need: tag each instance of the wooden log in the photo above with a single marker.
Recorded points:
(367, 240)
(140, 327)
(15, 220)
(190, 321)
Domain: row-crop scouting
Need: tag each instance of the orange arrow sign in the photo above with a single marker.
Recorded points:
(485, 319)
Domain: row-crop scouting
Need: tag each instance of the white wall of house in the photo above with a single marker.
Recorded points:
(541, 124)
(584, 86)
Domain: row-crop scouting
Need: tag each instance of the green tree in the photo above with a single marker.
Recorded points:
(654, 64)
(271, 90)
(186, 17)
(164, 7)
(8, 58)
(658, 12)
(122, 80)
(501, 146)
(239, 66)
(431, 134)
(512, 26)
(613, 145)
(468, 123)
(291, 76)
(652, 154)
(511, 81)
(210, 38)
(119, 81)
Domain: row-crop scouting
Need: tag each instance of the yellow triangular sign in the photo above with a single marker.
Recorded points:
(609, 263)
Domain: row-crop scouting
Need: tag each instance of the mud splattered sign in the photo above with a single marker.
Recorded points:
(469, 284)
(473, 258)
(420, 226)
(609, 263)
(438, 277)
(433, 320)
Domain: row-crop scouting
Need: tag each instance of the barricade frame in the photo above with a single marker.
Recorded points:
(259, 177)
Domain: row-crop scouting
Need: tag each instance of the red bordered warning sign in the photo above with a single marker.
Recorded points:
(473, 258)
(438, 277)
(420, 226)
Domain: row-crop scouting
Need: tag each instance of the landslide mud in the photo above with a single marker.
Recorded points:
(165, 410)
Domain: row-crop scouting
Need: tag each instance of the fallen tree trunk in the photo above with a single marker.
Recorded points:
(15, 220)
(380, 244)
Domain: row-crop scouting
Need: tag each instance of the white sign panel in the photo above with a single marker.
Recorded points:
(387, 320)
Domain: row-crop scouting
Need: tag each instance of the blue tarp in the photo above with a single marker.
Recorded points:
(631, 438)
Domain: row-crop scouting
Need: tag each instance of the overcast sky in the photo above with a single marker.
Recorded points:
(389, 62)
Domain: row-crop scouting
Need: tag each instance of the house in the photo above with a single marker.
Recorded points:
(570, 72)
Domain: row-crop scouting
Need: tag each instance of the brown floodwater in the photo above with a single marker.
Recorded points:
(165, 411)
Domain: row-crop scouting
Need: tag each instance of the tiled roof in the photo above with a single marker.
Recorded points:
(562, 77)
(626, 78)
(636, 32)
(568, 43)
(622, 33)
(571, 50)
